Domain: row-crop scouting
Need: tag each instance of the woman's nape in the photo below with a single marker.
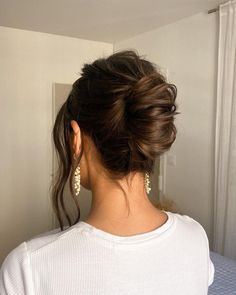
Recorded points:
(108, 210)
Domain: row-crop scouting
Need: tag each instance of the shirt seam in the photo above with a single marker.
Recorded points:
(61, 236)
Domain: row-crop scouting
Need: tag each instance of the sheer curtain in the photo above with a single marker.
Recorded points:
(224, 239)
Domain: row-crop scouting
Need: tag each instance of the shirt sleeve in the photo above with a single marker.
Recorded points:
(210, 265)
(211, 272)
(15, 273)
(211, 268)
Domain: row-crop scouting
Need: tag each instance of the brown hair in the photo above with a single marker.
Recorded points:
(126, 106)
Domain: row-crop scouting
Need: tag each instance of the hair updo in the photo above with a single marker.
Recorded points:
(126, 106)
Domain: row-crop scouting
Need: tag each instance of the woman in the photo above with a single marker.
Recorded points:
(116, 120)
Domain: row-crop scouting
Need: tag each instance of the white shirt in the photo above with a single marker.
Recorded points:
(172, 259)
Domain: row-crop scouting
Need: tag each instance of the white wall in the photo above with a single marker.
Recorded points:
(30, 62)
(188, 49)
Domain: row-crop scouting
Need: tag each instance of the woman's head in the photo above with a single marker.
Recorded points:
(119, 114)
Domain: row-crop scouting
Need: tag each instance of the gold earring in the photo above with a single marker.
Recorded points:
(147, 183)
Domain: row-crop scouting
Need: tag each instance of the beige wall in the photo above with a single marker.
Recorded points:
(188, 49)
(30, 62)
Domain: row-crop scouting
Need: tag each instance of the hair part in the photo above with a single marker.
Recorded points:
(127, 108)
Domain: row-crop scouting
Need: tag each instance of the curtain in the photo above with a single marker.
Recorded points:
(224, 215)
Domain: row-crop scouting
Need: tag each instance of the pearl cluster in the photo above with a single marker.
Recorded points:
(147, 182)
(77, 180)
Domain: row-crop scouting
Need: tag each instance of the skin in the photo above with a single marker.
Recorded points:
(109, 210)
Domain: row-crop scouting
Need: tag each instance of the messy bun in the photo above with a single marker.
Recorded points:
(126, 106)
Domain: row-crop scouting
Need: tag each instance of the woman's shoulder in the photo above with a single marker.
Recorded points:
(22, 251)
(47, 238)
(188, 226)
(16, 267)
(195, 235)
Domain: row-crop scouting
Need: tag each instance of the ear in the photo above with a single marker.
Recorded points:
(76, 144)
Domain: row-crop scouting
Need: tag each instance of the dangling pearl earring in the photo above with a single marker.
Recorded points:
(147, 183)
(77, 180)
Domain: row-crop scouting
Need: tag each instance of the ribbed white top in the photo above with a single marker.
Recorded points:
(172, 259)
(134, 239)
